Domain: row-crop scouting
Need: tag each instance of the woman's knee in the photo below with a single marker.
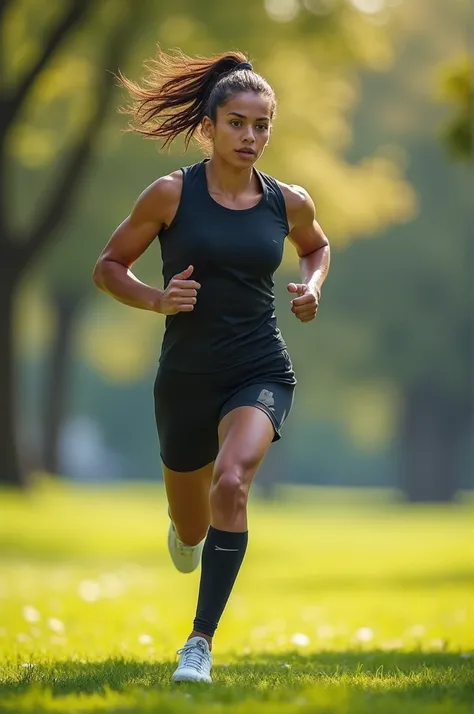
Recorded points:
(230, 488)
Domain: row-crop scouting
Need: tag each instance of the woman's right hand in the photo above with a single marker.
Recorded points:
(180, 294)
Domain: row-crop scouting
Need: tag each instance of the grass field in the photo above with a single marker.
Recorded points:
(346, 604)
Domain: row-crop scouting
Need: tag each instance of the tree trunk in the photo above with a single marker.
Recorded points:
(57, 382)
(432, 436)
(11, 473)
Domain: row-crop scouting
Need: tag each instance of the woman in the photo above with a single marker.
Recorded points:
(225, 381)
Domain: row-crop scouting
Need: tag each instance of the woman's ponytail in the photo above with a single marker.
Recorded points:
(179, 91)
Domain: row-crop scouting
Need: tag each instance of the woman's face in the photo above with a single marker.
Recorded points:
(242, 128)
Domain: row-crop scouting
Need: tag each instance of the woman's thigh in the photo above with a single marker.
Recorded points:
(187, 414)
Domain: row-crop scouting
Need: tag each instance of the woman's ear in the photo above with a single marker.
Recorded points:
(207, 128)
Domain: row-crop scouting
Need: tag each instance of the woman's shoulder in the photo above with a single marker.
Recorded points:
(296, 198)
(165, 194)
(294, 195)
(160, 200)
(168, 187)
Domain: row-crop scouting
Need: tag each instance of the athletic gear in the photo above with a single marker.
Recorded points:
(189, 407)
(234, 254)
(185, 557)
(195, 662)
(222, 557)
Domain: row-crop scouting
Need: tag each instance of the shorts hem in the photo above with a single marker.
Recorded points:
(270, 415)
(166, 464)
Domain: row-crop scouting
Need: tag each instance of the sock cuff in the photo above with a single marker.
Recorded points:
(227, 539)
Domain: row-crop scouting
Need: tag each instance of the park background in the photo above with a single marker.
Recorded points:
(376, 466)
(373, 120)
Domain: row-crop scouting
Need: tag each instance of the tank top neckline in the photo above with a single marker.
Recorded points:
(233, 211)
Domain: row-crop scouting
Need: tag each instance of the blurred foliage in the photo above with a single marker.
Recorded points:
(408, 322)
(357, 125)
(457, 89)
(418, 272)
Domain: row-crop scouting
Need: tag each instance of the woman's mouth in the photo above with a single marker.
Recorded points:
(248, 153)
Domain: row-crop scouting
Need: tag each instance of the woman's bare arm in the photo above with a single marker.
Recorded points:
(154, 210)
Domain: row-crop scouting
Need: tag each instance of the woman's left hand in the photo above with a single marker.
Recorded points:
(305, 303)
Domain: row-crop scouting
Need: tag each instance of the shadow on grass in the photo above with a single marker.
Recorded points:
(415, 673)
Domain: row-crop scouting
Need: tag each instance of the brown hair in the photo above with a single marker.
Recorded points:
(179, 91)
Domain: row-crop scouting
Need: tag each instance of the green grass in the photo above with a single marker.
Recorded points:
(347, 603)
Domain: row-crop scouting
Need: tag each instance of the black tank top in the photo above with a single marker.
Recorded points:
(234, 254)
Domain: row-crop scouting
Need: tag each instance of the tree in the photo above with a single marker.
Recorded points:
(410, 290)
(20, 246)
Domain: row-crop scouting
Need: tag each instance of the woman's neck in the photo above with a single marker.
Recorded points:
(226, 180)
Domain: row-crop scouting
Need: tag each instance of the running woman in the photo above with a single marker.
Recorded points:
(225, 381)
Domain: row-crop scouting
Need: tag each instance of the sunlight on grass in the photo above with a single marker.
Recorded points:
(345, 600)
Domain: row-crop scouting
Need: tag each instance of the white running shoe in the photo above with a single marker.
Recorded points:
(195, 662)
(185, 557)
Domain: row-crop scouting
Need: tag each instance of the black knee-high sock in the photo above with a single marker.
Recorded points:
(222, 557)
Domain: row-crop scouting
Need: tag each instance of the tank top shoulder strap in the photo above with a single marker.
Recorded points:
(192, 178)
(189, 195)
(274, 196)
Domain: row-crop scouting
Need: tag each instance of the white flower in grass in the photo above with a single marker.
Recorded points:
(416, 631)
(149, 613)
(23, 638)
(111, 585)
(28, 665)
(56, 625)
(438, 644)
(392, 645)
(145, 639)
(325, 632)
(260, 632)
(300, 639)
(89, 590)
(31, 614)
(364, 634)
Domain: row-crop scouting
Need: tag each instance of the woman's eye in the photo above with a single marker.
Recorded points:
(235, 122)
(262, 127)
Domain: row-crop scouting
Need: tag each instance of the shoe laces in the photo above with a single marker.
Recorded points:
(194, 654)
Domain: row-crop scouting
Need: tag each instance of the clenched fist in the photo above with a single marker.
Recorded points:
(305, 304)
(180, 294)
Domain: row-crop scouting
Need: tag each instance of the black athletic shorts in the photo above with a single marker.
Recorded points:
(189, 407)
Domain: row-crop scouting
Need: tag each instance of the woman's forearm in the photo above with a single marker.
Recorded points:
(118, 281)
(314, 267)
